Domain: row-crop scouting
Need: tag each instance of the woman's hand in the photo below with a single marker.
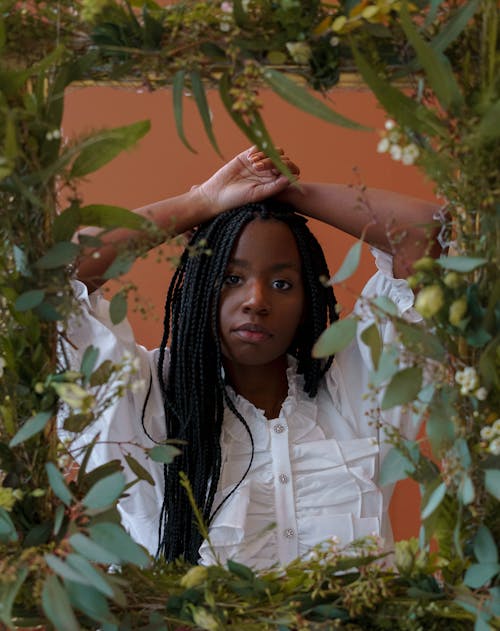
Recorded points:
(249, 177)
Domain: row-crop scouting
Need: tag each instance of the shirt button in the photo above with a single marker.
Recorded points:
(283, 478)
(279, 428)
(289, 533)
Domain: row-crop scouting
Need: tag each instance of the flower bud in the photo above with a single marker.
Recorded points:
(425, 264)
(429, 301)
(457, 311)
(452, 280)
(194, 576)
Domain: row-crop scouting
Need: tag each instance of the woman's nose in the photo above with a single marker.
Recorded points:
(256, 298)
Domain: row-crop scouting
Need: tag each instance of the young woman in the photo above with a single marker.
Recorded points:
(280, 448)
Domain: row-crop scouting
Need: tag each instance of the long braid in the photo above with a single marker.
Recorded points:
(194, 393)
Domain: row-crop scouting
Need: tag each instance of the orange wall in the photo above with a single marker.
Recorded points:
(161, 166)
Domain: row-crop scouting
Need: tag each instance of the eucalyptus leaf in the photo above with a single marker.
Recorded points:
(492, 482)
(105, 491)
(386, 305)
(118, 307)
(58, 483)
(58, 519)
(65, 571)
(202, 104)
(298, 96)
(388, 365)
(337, 337)
(466, 490)
(434, 500)
(29, 299)
(177, 96)
(93, 551)
(106, 145)
(371, 337)
(396, 466)
(121, 265)
(59, 255)
(89, 574)
(138, 469)
(349, 265)
(163, 453)
(403, 387)
(9, 590)
(57, 606)
(462, 264)
(436, 66)
(89, 361)
(66, 223)
(117, 541)
(107, 216)
(8, 532)
(480, 574)
(420, 341)
(485, 547)
(90, 602)
(33, 426)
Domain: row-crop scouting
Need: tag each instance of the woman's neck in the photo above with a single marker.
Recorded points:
(266, 387)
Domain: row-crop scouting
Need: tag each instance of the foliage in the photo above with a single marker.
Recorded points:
(60, 531)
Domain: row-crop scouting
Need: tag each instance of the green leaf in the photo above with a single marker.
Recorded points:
(59, 255)
(405, 110)
(89, 361)
(455, 25)
(439, 427)
(461, 263)
(118, 307)
(436, 66)
(89, 574)
(349, 264)
(106, 216)
(488, 129)
(33, 426)
(371, 337)
(8, 593)
(485, 547)
(177, 96)
(163, 453)
(201, 102)
(385, 305)
(480, 574)
(466, 490)
(403, 387)
(492, 482)
(61, 568)
(29, 299)
(138, 469)
(57, 606)
(93, 551)
(102, 374)
(58, 519)
(337, 337)
(117, 541)
(90, 602)
(388, 365)
(419, 341)
(105, 491)
(242, 571)
(121, 265)
(103, 147)
(434, 500)
(8, 532)
(396, 466)
(66, 223)
(58, 483)
(298, 96)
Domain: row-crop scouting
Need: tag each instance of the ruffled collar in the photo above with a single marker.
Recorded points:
(298, 413)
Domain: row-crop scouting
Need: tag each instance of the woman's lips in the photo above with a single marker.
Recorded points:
(252, 333)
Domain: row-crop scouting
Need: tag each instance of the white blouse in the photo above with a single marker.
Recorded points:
(315, 468)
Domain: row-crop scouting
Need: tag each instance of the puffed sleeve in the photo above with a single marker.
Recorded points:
(351, 371)
(121, 423)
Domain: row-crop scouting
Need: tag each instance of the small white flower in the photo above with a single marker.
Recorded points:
(494, 447)
(394, 136)
(299, 51)
(3, 363)
(389, 124)
(225, 26)
(487, 432)
(481, 393)
(496, 426)
(459, 377)
(396, 152)
(96, 255)
(383, 145)
(410, 154)
(227, 7)
(334, 41)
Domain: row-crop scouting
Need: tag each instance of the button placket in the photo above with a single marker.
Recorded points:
(284, 493)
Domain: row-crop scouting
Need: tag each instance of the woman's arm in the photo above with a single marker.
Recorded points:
(395, 223)
(238, 182)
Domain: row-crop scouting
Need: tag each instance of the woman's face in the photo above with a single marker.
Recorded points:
(262, 297)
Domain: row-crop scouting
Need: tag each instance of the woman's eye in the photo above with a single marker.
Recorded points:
(281, 284)
(231, 280)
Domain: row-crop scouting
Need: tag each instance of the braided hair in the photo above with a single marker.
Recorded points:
(194, 393)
